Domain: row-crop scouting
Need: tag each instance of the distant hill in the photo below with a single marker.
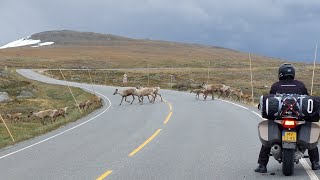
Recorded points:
(74, 49)
(75, 38)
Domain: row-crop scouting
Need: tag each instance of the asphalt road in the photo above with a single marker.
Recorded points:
(182, 138)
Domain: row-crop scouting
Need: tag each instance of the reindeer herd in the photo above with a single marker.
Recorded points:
(222, 91)
(136, 93)
(205, 89)
(151, 92)
(52, 114)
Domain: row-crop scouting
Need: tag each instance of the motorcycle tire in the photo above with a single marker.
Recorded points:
(288, 161)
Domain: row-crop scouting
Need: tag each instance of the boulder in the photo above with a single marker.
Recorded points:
(25, 94)
(4, 97)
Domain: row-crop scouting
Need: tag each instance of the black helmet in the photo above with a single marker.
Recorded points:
(286, 70)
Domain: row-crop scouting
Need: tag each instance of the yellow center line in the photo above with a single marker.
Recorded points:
(168, 117)
(145, 143)
(104, 175)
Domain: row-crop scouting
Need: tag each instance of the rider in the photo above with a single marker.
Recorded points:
(286, 84)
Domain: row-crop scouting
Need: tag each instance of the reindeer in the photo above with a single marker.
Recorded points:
(43, 114)
(125, 93)
(14, 117)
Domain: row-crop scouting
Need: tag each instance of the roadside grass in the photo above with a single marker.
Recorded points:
(44, 97)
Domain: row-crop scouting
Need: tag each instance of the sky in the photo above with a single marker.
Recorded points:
(285, 29)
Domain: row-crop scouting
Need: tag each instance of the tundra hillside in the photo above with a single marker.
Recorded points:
(187, 64)
(73, 49)
(26, 101)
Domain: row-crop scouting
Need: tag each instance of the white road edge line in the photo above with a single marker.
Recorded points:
(310, 172)
(304, 163)
(233, 104)
(62, 131)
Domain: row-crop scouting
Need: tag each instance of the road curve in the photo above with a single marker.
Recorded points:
(190, 140)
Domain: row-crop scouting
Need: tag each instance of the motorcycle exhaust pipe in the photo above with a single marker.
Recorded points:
(276, 152)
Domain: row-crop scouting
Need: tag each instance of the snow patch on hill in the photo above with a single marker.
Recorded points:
(26, 42)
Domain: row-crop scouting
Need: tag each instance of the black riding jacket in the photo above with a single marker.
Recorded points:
(289, 86)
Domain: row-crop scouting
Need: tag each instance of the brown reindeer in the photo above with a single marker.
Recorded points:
(211, 88)
(14, 117)
(43, 114)
(125, 93)
(61, 112)
(200, 91)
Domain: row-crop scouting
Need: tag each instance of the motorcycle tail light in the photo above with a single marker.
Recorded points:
(289, 123)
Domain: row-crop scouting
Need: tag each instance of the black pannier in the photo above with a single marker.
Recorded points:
(310, 108)
(270, 106)
(276, 106)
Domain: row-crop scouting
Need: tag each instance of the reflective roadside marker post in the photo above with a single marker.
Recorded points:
(171, 79)
(314, 67)
(148, 75)
(251, 79)
(74, 98)
(208, 73)
(7, 128)
(105, 78)
(125, 79)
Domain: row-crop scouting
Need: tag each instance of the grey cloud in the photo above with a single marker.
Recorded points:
(280, 28)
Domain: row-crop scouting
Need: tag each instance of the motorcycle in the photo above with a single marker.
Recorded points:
(290, 128)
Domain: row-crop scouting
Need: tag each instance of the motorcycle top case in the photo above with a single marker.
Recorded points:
(304, 107)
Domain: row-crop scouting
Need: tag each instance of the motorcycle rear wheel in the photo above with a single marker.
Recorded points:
(288, 161)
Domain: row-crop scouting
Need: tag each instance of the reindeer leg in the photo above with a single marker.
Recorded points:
(121, 101)
(205, 95)
(154, 98)
(219, 96)
(133, 99)
(160, 97)
(212, 96)
(149, 99)
(126, 99)
(42, 121)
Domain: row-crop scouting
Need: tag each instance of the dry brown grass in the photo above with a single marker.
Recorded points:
(226, 66)
(45, 97)
(127, 55)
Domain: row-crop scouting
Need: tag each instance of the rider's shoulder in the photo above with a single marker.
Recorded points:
(298, 82)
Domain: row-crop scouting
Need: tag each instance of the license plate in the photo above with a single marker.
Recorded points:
(289, 136)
